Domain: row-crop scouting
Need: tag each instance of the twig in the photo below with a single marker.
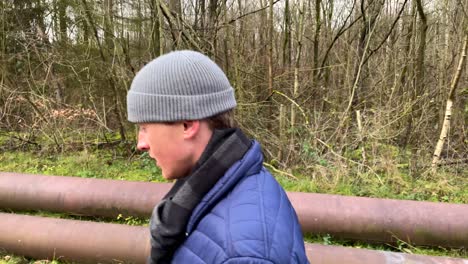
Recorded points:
(372, 51)
(271, 167)
(249, 13)
(25, 140)
(349, 160)
(294, 102)
(452, 162)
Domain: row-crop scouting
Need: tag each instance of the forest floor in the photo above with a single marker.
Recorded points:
(450, 185)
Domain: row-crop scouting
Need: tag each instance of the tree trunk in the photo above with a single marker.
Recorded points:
(287, 36)
(448, 109)
(360, 70)
(212, 26)
(155, 44)
(175, 7)
(407, 45)
(62, 14)
(3, 33)
(202, 17)
(109, 23)
(282, 132)
(408, 65)
(259, 41)
(297, 61)
(415, 109)
(109, 74)
(419, 76)
(139, 26)
(270, 48)
(225, 40)
(318, 24)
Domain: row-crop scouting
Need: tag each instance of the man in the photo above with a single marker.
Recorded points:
(224, 207)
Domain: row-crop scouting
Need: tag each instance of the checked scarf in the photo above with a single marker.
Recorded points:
(170, 217)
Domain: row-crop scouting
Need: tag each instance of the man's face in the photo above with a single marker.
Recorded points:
(166, 145)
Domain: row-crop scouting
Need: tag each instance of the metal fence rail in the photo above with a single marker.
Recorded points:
(91, 242)
(359, 218)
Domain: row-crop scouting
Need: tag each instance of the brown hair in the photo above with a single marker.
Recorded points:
(219, 121)
(223, 120)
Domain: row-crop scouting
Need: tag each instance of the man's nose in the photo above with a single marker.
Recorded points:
(142, 144)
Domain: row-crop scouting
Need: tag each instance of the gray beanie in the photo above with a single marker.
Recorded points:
(181, 85)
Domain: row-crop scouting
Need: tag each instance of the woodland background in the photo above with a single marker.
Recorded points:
(325, 85)
(353, 97)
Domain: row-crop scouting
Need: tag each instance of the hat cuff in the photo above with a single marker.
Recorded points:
(148, 108)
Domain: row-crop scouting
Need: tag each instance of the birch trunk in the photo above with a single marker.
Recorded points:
(448, 108)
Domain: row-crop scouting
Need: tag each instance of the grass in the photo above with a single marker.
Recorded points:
(11, 259)
(449, 188)
(97, 164)
(389, 181)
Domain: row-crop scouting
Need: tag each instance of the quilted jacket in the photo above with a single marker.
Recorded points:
(245, 218)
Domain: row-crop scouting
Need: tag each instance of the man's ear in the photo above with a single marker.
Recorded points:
(191, 128)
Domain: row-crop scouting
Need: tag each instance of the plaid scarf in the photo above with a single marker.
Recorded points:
(170, 217)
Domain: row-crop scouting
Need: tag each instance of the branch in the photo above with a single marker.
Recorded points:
(388, 34)
(93, 26)
(249, 13)
(342, 30)
(293, 102)
(169, 17)
(421, 11)
(349, 160)
(271, 167)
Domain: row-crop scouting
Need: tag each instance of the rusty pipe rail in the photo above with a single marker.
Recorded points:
(383, 220)
(81, 241)
(360, 218)
(321, 254)
(90, 242)
(81, 196)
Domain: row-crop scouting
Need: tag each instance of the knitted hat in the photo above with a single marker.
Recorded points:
(181, 85)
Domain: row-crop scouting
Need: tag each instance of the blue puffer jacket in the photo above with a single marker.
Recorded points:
(245, 218)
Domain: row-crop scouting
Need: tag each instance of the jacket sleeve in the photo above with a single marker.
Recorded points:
(247, 260)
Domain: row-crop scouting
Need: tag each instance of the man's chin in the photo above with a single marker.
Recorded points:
(171, 177)
(168, 176)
